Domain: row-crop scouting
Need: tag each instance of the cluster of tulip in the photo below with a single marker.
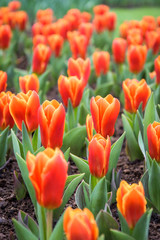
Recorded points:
(53, 132)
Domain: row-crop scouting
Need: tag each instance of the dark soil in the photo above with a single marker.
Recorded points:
(9, 206)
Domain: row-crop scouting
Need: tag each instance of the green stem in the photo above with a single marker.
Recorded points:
(49, 214)
(93, 182)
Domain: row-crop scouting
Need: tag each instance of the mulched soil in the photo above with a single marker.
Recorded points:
(9, 206)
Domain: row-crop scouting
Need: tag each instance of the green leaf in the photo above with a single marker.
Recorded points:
(104, 89)
(140, 122)
(99, 196)
(70, 116)
(27, 146)
(148, 160)
(23, 233)
(58, 231)
(3, 144)
(153, 184)
(144, 181)
(41, 222)
(16, 147)
(82, 195)
(83, 114)
(19, 187)
(75, 139)
(70, 178)
(36, 140)
(25, 174)
(114, 155)
(141, 144)
(140, 231)
(117, 235)
(41, 149)
(66, 154)
(105, 222)
(82, 166)
(124, 224)
(133, 149)
(67, 194)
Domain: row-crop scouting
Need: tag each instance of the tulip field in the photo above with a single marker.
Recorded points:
(79, 122)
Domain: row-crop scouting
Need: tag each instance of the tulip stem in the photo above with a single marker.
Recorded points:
(49, 213)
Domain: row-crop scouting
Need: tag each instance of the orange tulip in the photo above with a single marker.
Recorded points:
(89, 127)
(10, 19)
(101, 61)
(104, 113)
(29, 82)
(134, 37)
(119, 46)
(37, 29)
(157, 69)
(99, 23)
(49, 29)
(51, 118)
(85, 17)
(153, 41)
(111, 19)
(80, 224)
(131, 202)
(79, 68)
(124, 29)
(5, 36)
(99, 151)
(70, 88)
(45, 16)
(151, 26)
(136, 57)
(100, 9)
(55, 42)
(153, 135)
(39, 39)
(48, 174)
(158, 21)
(86, 29)
(3, 81)
(41, 56)
(152, 75)
(5, 116)
(24, 108)
(135, 93)
(63, 26)
(14, 5)
(21, 20)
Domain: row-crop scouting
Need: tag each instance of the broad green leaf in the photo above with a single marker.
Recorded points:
(82, 166)
(141, 144)
(25, 174)
(36, 140)
(66, 154)
(148, 161)
(58, 232)
(99, 197)
(140, 122)
(17, 145)
(27, 146)
(82, 195)
(70, 116)
(41, 149)
(124, 224)
(67, 194)
(83, 114)
(144, 181)
(117, 235)
(23, 233)
(104, 89)
(3, 144)
(70, 179)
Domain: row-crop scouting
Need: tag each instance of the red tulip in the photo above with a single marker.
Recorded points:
(3, 81)
(101, 61)
(39, 39)
(153, 41)
(48, 174)
(29, 82)
(86, 29)
(51, 117)
(104, 113)
(153, 135)
(89, 127)
(21, 20)
(5, 36)
(111, 19)
(55, 42)
(119, 46)
(14, 5)
(100, 9)
(157, 69)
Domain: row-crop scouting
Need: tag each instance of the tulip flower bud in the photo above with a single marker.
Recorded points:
(14, 5)
(131, 202)
(55, 42)
(5, 116)
(153, 41)
(136, 57)
(48, 174)
(24, 108)
(86, 29)
(29, 82)
(70, 88)
(21, 20)
(79, 68)
(134, 37)
(80, 224)
(37, 39)
(5, 36)
(153, 134)
(104, 113)
(135, 93)
(99, 152)
(85, 17)
(101, 61)
(37, 29)
(41, 56)
(100, 9)
(119, 46)
(3, 81)
(111, 19)
(45, 16)
(89, 127)
(51, 117)
(99, 23)
(157, 69)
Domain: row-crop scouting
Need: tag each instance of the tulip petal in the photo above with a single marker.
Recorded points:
(95, 114)
(152, 142)
(43, 126)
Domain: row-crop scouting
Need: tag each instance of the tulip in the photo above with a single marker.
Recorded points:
(86, 29)
(80, 224)
(131, 202)
(89, 127)
(99, 23)
(111, 19)
(79, 68)
(136, 57)
(48, 174)
(151, 22)
(152, 75)
(51, 117)
(5, 116)
(119, 46)
(153, 135)
(21, 20)
(49, 29)
(5, 36)
(100, 9)
(101, 61)
(24, 108)
(157, 69)
(45, 16)
(37, 29)
(135, 37)
(135, 93)
(104, 113)
(153, 41)
(29, 82)
(55, 42)
(63, 26)
(3, 81)
(85, 17)
(124, 29)
(14, 5)
(70, 88)
(39, 39)
(41, 56)
(99, 152)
